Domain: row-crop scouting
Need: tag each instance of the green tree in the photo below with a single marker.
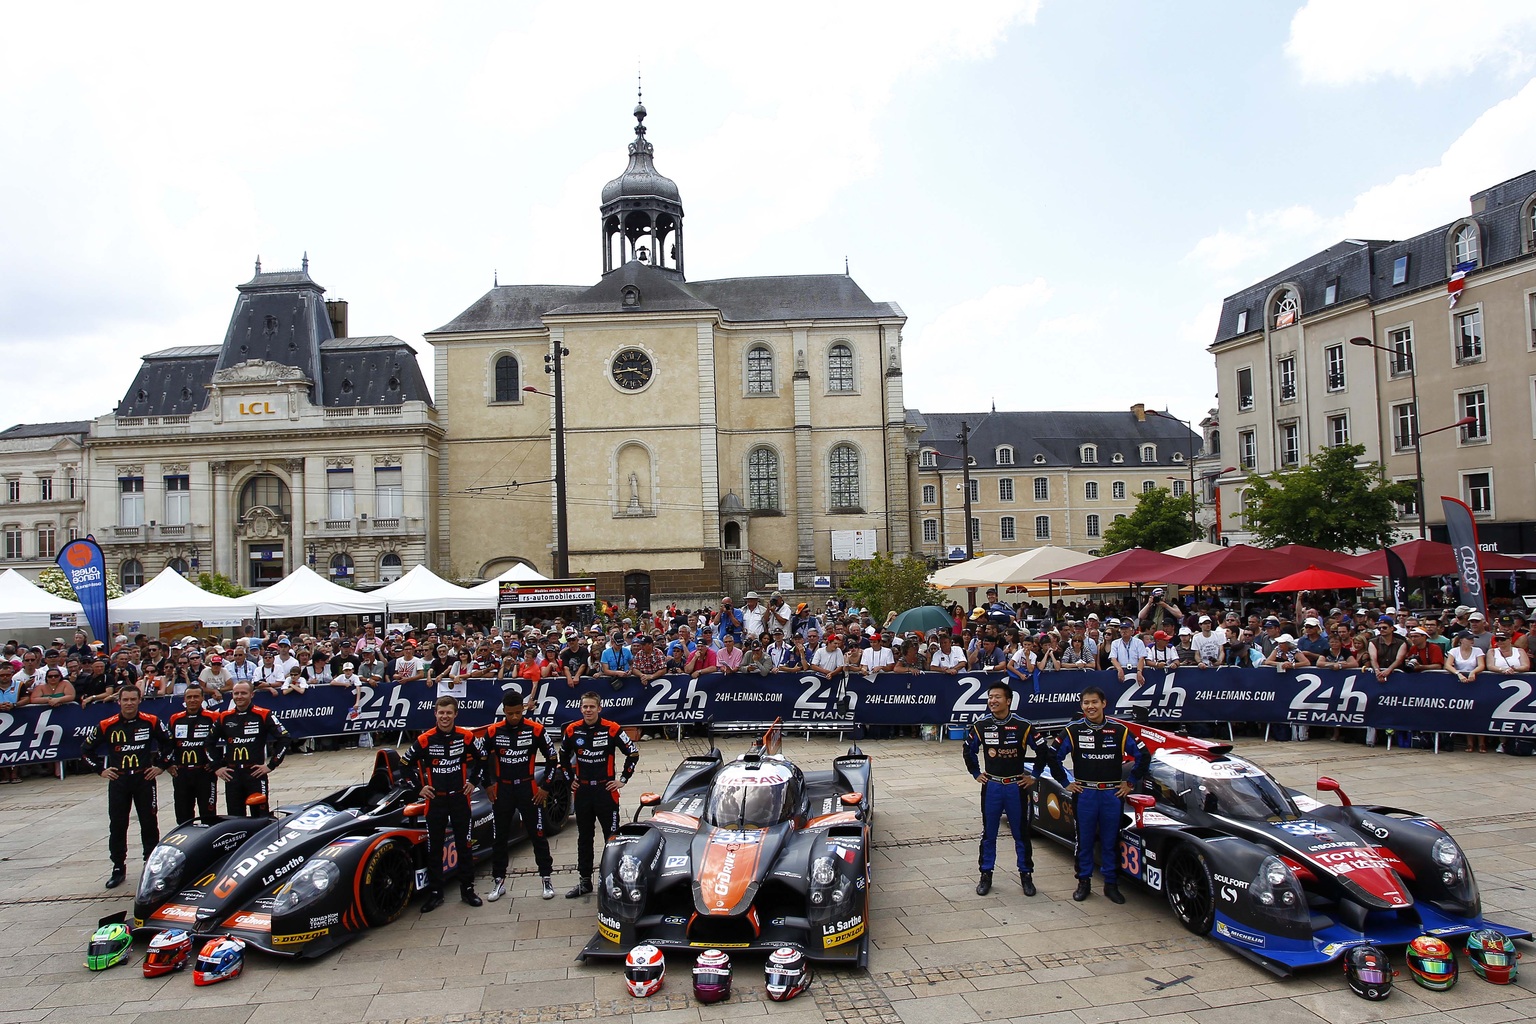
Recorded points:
(56, 583)
(1158, 522)
(884, 584)
(218, 583)
(1334, 502)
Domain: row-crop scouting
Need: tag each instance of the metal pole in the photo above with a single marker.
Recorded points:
(562, 534)
(965, 471)
(1418, 457)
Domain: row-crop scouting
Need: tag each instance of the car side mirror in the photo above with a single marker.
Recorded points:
(415, 810)
(1143, 803)
(1330, 785)
(650, 799)
(852, 799)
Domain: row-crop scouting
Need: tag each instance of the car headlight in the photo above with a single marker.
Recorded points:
(1274, 872)
(1276, 889)
(822, 871)
(1445, 852)
(312, 881)
(629, 869)
(162, 872)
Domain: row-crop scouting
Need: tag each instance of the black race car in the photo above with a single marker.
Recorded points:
(308, 878)
(749, 854)
(1283, 879)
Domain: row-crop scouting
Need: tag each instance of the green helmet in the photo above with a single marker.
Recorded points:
(109, 945)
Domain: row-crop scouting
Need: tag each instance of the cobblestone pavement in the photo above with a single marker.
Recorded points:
(939, 953)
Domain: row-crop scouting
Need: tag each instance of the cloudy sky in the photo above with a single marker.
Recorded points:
(1058, 194)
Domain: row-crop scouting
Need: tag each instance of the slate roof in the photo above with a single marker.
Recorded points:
(280, 317)
(24, 430)
(1058, 436)
(1364, 269)
(739, 299)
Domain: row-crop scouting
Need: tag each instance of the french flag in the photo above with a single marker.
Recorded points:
(1458, 280)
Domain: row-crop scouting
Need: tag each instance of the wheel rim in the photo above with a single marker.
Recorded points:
(393, 886)
(1187, 891)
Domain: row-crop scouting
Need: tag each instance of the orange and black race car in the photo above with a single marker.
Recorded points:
(302, 881)
(749, 854)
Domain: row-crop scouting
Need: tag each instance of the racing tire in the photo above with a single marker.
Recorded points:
(388, 882)
(1191, 895)
(557, 809)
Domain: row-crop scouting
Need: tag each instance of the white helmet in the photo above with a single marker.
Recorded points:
(644, 970)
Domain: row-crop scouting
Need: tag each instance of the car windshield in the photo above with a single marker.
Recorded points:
(743, 798)
(1229, 787)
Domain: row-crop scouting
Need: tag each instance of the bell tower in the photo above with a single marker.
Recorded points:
(642, 211)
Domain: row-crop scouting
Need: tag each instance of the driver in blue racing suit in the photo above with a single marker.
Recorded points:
(1100, 781)
(996, 751)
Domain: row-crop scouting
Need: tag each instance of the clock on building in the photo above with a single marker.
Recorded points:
(631, 369)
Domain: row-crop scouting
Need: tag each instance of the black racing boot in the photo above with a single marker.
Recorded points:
(582, 888)
(1028, 881)
(1112, 892)
(985, 885)
(1084, 887)
(468, 895)
(434, 900)
(118, 874)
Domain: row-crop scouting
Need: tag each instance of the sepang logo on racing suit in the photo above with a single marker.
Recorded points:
(839, 932)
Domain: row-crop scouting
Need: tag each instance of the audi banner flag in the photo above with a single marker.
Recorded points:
(1462, 529)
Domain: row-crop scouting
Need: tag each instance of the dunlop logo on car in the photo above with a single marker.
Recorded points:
(839, 932)
(299, 938)
(608, 928)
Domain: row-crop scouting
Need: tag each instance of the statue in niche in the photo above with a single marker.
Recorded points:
(634, 508)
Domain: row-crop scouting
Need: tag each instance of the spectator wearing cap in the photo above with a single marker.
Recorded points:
(1267, 637)
(1283, 655)
(1477, 625)
(1504, 657)
(754, 617)
(1163, 653)
(679, 648)
(778, 613)
(216, 678)
(1158, 613)
(780, 651)
(988, 657)
(1207, 643)
(1313, 642)
(1422, 655)
(997, 612)
(702, 659)
(877, 657)
(649, 664)
(285, 661)
(1128, 652)
(617, 660)
(828, 660)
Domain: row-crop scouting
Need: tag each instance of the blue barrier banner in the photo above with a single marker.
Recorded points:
(1493, 705)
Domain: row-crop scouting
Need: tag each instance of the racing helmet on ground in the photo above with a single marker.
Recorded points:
(168, 951)
(644, 970)
(1432, 963)
(1369, 972)
(109, 944)
(789, 973)
(712, 977)
(1493, 956)
(221, 958)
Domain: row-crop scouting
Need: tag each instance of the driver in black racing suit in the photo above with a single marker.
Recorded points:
(587, 753)
(447, 760)
(255, 743)
(514, 745)
(129, 749)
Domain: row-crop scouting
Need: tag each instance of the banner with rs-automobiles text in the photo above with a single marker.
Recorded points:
(1496, 705)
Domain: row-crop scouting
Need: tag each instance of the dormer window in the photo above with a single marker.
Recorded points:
(928, 459)
(1149, 453)
(1088, 454)
(1118, 458)
(631, 294)
(1005, 455)
(1039, 460)
(1287, 309)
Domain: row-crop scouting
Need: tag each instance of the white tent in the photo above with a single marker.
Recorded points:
(422, 590)
(1023, 568)
(302, 593)
(944, 578)
(171, 597)
(1193, 549)
(25, 605)
(489, 592)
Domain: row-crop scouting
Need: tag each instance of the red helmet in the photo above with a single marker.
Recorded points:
(221, 958)
(789, 973)
(168, 951)
(712, 977)
(1432, 963)
(1493, 956)
(645, 969)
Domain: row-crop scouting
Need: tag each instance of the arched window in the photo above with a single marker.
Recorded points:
(763, 479)
(131, 574)
(1089, 454)
(341, 566)
(1148, 486)
(1465, 248)
(929, 459)
(1287, 309)
(264, 491)
(840, 367)
(1093, 525)
(180, 565)
(508, 387)
(1091, 490)
(759, 370)
(844, 464)
(1215, 442)
(1149, 453)
(1042, 527)
(1005, 455)
(389, 567)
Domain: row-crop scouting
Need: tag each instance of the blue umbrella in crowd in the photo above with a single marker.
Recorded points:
(922, 619)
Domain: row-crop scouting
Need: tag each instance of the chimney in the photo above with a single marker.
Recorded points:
(1139, 410)
(336, 310)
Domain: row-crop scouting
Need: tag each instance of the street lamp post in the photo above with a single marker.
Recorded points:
(552, 365)
(964, 437)
(1418, 435)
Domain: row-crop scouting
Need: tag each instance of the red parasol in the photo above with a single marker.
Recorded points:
(1428, 558)
(1313, 578)
(1133, 565)
(1316, 556)
(1240, 563)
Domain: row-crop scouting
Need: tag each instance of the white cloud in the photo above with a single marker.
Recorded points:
(1495, 147)
(1339, 42)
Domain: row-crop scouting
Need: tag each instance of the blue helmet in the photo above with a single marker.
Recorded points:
(220, 959)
